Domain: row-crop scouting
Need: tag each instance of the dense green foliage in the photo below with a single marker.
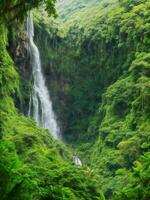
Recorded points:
(16, 9)
(102, 63)
(71, 7)
(124, 128)
(32, 164)
(97, 66)
(80, 49)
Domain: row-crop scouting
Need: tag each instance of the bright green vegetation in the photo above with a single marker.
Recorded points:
(124, 133)
(96, 59)
(103, 64)
(12, 10)
(67, 8)
(33, 166)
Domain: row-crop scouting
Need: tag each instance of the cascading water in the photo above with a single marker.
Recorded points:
(77, 160)
(40, 107)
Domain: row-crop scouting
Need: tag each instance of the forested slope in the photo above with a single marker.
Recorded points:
(67, 8)
(103, 64)
(32, 164)
(96, 60)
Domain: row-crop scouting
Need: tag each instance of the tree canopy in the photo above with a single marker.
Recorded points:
(11, 10)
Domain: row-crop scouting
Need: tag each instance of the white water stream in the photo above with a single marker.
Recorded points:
(40, 107)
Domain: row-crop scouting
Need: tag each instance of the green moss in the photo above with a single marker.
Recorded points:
(8, 76)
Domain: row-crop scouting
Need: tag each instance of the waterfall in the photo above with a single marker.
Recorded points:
(77, 160)
(40, 106)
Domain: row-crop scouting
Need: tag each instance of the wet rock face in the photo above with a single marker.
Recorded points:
(19, 51)
(18, 48)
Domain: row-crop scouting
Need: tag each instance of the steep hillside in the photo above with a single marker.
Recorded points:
(89, 54)
(102, 63)
(33, 166)
(67, 8)
(96, 62)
